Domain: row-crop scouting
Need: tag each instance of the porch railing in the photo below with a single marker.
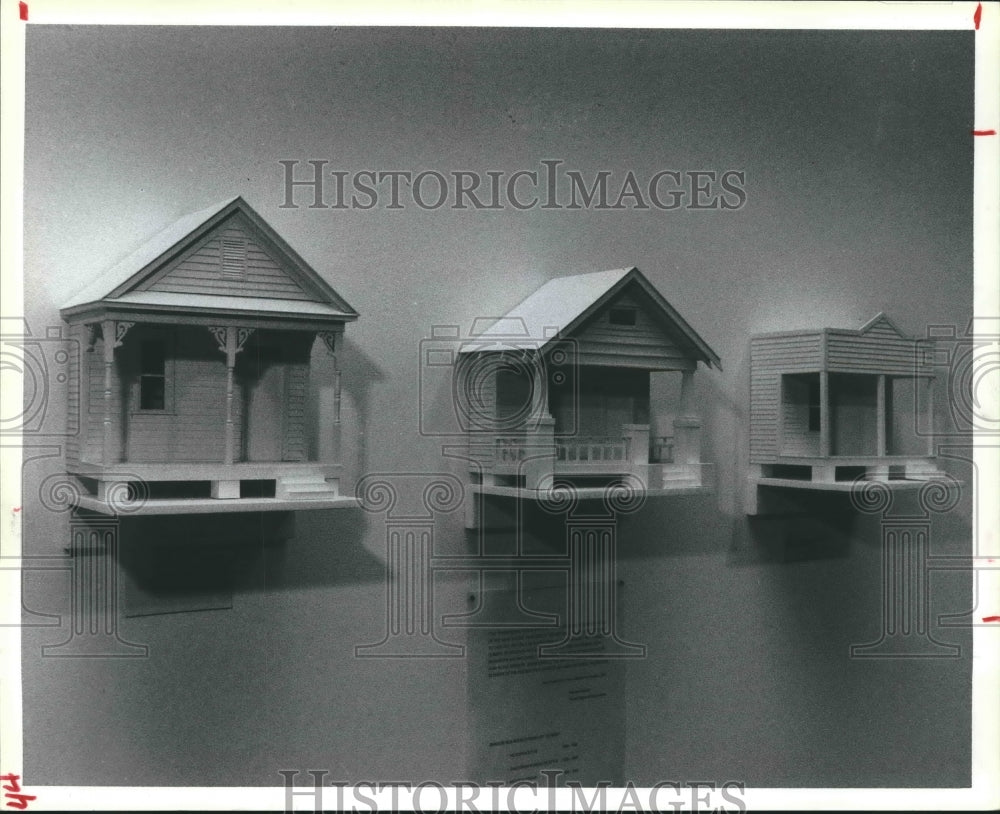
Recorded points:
(581, 449)
(510, 450)
(661, 449)
(594, 448)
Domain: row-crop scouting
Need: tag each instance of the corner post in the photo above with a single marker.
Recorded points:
(108, 347)
(824, 414)
(329, 405)
(880, 418)
(539, 465)
(230, 340)
(230, 349)
(637, 439)
(113, 336)
(687, 425)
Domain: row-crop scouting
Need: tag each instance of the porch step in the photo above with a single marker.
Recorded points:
(304, 486)
(671, 472)
(673, 475)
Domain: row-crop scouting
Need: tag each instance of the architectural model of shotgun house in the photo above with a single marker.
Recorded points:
(195, 374)
(830, 406)
(561, 390)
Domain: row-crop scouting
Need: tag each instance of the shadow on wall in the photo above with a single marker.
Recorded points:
(673, 526)
(722, 416)
(812, 526)
(664, 525)
(327, 549)
(174, 564)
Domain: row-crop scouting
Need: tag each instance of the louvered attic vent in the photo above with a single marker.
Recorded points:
(234, 256)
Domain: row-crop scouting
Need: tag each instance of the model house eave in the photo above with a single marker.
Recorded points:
(195, 309)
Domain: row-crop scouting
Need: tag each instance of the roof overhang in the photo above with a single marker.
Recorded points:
(210, 310)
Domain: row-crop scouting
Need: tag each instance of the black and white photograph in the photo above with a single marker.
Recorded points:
(526, 408)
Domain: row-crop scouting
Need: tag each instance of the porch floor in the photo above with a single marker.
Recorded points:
(894, 484)
(244, 470)
(585, 492)
(213, 505)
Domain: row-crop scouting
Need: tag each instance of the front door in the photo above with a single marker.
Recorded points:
(265, 405)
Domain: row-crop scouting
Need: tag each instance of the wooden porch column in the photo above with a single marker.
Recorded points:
(824, 414)
(687, 388)
(687, 425)
(230, 340)
(880, 418)
(538, 467)
(329, 406)
(228, 455)
(112, 335)
(540, 407)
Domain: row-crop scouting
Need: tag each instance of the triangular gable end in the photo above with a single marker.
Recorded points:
(881, 325)
(635, 287)
(232, 252)
(232, 259)
(630, 322)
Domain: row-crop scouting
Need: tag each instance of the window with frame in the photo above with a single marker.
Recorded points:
(622, 316)
(153, 374)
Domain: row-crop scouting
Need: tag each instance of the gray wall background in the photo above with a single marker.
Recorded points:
(859, 181)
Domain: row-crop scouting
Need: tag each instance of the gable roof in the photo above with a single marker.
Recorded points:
(880, 322)
(120, 283)
(563, 304)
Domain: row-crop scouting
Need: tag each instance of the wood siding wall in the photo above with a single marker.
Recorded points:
(853, 414)
(74, 418)
(796, 437)
(770, 356)
(873, 352)
(192, 428)
(644, 345)
(292, 351)
(600, 401)
(295, 441)
(201, 271)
